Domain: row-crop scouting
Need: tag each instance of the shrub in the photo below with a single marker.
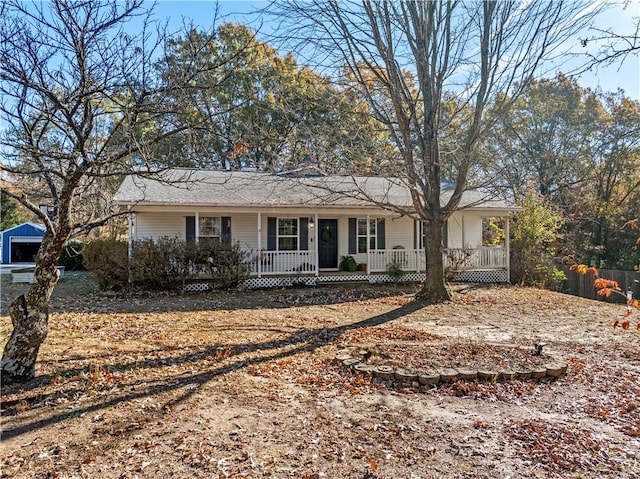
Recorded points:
(348, 263)
(225, 262)
(71, 258)
(533, 235)
(455, 260)
(395, 271)
(165, 264)
(107, 260)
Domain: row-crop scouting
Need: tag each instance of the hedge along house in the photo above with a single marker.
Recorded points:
(21, 243)
(301, 227)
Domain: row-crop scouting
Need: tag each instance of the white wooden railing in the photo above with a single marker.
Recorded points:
(459, 259)
(304, 262)
(406, 259)
(282, 262)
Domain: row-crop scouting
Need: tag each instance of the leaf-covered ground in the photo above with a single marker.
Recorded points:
(243, 385)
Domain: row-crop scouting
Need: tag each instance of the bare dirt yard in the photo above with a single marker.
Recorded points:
(246, 384)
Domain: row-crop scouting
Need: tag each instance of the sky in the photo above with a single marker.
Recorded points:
(624, 75)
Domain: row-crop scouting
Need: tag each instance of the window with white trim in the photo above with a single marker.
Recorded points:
(210, 227)
(288, 232)
(361, 234)
(423, 232)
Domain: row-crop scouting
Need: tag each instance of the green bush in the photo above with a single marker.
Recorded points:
(534, 233)
(348, 263)
(395, 271)
(107, 260)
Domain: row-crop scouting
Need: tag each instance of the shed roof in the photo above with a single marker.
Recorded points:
(40, 228)
(249, 189)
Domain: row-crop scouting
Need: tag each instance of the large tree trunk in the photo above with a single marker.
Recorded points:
(30, 317)
(434, 289)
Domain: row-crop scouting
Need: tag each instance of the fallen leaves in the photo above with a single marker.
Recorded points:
(561, 447)
(241, 386)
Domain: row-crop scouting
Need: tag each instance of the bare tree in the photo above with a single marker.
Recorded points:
(436, 74)
(611, 45)
(82, 107)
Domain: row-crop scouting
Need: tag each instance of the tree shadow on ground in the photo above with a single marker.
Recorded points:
(74, 297)
(302, 340)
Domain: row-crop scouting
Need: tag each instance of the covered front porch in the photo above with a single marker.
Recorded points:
(291, 246)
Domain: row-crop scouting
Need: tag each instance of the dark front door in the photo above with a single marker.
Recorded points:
(328, 243)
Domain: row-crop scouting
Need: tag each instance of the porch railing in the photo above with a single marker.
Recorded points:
(406, 259)
(459, 259)
(283, 262)
(304, 262)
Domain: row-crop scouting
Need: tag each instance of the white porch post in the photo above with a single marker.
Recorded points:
(259, 244)
(315, 240)
(464, 245)
(368, 243)
(197, 227)
(416, 243)
(130, 233)
(507, 234)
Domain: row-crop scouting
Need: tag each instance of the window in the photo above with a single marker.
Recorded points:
(362, 235)
(287, 234)
(209, 227)
(422, 234)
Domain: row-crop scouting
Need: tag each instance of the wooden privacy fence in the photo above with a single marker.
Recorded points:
(582, 284)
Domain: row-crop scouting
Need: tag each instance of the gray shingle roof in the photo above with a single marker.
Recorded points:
(247, 189)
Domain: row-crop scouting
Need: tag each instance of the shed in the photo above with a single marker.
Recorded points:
(20, 244)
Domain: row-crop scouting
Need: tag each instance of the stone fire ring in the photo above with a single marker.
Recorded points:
(355, 359)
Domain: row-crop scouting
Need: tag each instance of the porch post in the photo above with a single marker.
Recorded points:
(507, 234)
(417, 225)
(464, 245)
(197, 226)
(368, 244)
(315, 240)
(130, 233)
(259, 244)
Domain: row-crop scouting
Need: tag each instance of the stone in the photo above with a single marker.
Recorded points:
(384, 372)
(538, 372)
(405, 376)
(523, 373)
(448, 375)
(467, 374)
(428, 378)
(487, 375)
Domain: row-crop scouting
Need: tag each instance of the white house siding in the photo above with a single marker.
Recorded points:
(399, 232)
(472, 231)
(464, 229)
(455, 233)
(244, 230)
(156, 225)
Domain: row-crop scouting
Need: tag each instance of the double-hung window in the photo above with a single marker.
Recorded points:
(362, 235)
(210, 228)
(288, 234)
